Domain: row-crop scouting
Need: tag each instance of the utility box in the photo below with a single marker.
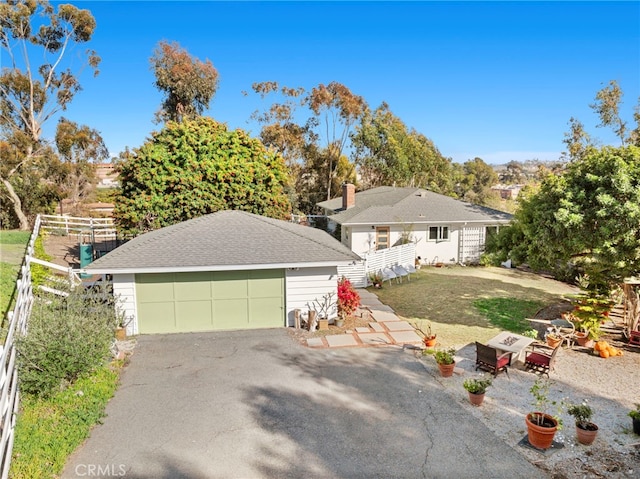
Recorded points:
(86, 257)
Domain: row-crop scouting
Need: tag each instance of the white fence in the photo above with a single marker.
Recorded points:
(99, 227)
(358, 274)
(16, 323)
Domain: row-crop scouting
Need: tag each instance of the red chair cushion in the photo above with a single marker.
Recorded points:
(537, 358)
(502, 362)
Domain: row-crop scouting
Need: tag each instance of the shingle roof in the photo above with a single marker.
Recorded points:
(386, 205)
(225, 240)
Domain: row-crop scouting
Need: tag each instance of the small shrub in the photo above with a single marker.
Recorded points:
(66, 338)
(445, 356)
(477, 386)
(582, 413)
(348, 298)
(39, 273)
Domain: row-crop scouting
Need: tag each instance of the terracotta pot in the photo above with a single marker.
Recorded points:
(446, 370)
(121, 334)
(476, 398)
(583, 340)
(554, 343)
(541, 437)
(429, 342)
(586, 436)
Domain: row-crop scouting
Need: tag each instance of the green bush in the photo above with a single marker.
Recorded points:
(66, 338)
(39, 273)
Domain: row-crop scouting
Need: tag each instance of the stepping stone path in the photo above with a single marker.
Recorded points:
(385, 328)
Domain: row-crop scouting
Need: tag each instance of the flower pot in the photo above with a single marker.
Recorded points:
(339, 323)
(429, 342)
(476, 398)
(121, 334)
(554, 342)
(586, 436)
(636, 425)
(446, 370)
(583, 340)
(541, 437)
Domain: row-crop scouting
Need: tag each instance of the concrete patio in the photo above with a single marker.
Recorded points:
(384, 329)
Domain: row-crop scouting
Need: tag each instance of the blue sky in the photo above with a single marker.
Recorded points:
(497, 80)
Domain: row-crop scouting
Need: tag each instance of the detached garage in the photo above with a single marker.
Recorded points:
(227, 270)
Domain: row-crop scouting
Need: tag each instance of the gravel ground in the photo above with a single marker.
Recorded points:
(610, 386)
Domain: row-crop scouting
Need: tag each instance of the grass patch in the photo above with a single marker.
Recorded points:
(49, 430)
(464, 307)
(508, 313)
(12, 248)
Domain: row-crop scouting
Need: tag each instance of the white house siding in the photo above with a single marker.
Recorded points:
(304, 285)
(124, 290)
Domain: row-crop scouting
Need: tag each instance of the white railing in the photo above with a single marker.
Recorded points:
(16, 323)
(373, 262)
(100, 227)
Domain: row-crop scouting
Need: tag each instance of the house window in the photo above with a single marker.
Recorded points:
(382, 237)
(439, 233)
(492, 231)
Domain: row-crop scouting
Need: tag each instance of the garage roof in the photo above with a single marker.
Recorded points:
(225, 240)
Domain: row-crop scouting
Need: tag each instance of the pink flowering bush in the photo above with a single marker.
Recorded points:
(348, 298)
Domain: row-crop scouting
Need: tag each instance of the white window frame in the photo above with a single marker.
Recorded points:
(442, 234)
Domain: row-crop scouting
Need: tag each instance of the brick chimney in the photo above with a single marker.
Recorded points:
(348, 195)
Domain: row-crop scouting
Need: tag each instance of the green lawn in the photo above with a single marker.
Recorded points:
(12, 248)
(463, 307)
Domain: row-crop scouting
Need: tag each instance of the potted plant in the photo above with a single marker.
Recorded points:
(121, 327)
(634, 414)
(428, 337)
(446, 361)
(586, 431)
(476, 389)
(375, 278)
(541, 425)
(553, 340)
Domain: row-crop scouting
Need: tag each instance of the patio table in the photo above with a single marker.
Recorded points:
(511, 342)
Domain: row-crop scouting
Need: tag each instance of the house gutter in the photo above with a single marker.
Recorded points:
(198, 269)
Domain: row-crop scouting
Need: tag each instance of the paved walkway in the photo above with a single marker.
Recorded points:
(385, 328)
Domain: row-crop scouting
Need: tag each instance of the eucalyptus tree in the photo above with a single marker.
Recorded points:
(33, 94)
(388, 152)
(187, 83)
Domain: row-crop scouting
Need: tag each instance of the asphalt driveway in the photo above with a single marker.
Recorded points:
(256, 404)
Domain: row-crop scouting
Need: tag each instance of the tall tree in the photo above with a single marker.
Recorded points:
(187, 83)
(80, 148)
(31, 96)
(478, 178)
(196, 167)
(586, 219)
(607, 106)
(339, 109)
(387, 152)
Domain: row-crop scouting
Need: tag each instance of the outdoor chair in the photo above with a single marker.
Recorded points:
(491, 360)
(411, 269)
(541, 359)
(401, 272)
(388, 275)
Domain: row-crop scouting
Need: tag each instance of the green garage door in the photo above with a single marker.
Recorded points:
(207, 301)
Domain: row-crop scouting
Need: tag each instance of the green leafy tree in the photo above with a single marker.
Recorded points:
(80, 148)
(387, 152)
(197, 167)
(31, 96)
(586, 220)
(188, 83)
(477, 180)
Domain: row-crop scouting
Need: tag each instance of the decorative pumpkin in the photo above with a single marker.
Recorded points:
(604, 353)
